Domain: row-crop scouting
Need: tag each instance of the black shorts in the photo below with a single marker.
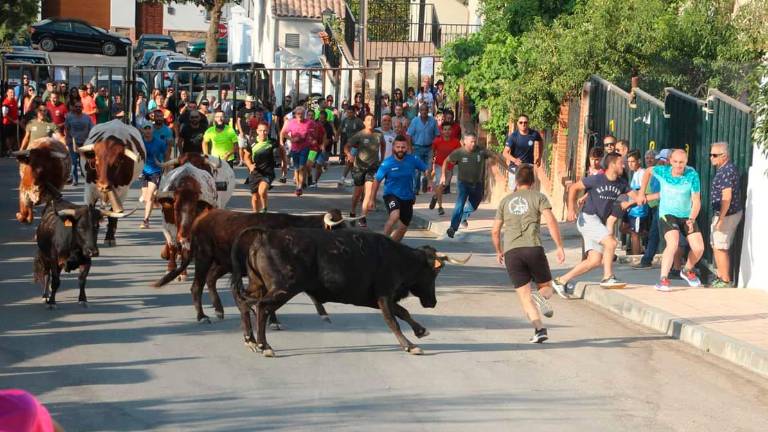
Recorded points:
(669, 223)
(526, 264)
(256, 177)
(405, 207)
(362, 175)
(146, 179)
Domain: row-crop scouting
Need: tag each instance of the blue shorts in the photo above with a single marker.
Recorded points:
(321, 159)
(299, 158)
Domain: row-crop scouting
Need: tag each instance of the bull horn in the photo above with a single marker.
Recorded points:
(452, 260)
(164, 194)
(66, 212)
(352, 219)
(167, 164)
(59, 155)
(117, 214)
(114, 202)
(130, 153)
(85, 148)
(330, 223)
(18, 153)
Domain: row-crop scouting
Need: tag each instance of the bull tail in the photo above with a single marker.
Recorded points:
(186, 258)
(236, 275)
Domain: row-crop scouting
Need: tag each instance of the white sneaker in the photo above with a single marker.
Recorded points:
(543, 304)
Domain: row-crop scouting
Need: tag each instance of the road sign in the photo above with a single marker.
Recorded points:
(222, 31)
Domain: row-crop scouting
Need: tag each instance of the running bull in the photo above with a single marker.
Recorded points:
(348, 266)
(185, 193)
(43, 170)
(66, 240)
(115, 156)
(212, 237)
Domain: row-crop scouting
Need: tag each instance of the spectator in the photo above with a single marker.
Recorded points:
(521, 148)
(10, 108)
(141, 110)
(89, 102)
(411, 107)
(397, 98)
(72, 98)
(448, 117)
(361, 107)
(421, 134)
(39, 127)
(29, 104)
(386, 108)
(57, 111)
(400, 122)
(651, 159)
(441, 98)
(227, 105)
(387, 133)
(152, 104)
(102, 106)
(77, 126)
(117, 110)
(609, 144)
(61, 89)
(426, 95)
(49, 88)
(637, 216)
(21, 90)
(206, 111)
(282, 111)
(596, 155)
(727, 209)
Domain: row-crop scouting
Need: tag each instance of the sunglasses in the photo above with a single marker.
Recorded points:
(522, 122)
(715, 155)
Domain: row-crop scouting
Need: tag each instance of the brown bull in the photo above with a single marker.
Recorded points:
(43, 170)
(115, 156)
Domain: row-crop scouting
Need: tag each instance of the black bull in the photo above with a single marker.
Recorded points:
(346, 266)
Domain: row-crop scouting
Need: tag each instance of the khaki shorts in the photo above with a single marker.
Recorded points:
(723, 239)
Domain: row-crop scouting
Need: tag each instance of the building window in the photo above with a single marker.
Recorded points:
(292, 40)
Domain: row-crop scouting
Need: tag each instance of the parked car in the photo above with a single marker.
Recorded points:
(22, 61)
(143, 61)
(76, 35)
(153, 42)
(196, 48)
(173, 71)
(114, 83)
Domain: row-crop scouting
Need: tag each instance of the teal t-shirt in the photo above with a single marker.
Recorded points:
(676, 191)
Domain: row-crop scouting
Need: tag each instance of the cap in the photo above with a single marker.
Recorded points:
(664, 154)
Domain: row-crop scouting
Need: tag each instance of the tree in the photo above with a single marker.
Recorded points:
(214, 8)
(15, 16)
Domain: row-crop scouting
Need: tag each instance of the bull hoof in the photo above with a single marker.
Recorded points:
(182, 277)
(325, 318)
(220, 315)
(83, 303)
(422, 333)
(110, 242)
(204, 319)
(251, 345)
(414, 350)
(275, 326)
(51, 306)
(268, 353)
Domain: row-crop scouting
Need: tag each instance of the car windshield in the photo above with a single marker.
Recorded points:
(184, 65)
(158, 44)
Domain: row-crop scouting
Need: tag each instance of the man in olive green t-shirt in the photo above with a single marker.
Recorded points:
(366, 148)
(519, 215)
(40, 127)
(470, 164)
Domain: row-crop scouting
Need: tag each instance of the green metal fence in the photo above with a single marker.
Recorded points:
(649, 123)
(609, 111)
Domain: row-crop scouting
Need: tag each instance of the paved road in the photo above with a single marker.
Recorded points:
(135, 359)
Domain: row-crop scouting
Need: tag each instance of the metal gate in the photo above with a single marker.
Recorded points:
(609, 111)
(649, 123)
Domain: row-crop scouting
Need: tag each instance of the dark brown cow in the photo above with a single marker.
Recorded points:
(43, 170)
(115, 156)
(212, 237)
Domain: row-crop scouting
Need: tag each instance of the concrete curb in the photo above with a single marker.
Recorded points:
(705, 339)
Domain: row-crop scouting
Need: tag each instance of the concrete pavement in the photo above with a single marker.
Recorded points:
(135, 359)
(729, 323)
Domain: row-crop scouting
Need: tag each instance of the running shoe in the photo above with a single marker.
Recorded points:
(539, 336)
(690, 277)
(561, 288)
(432, 202)
(283, 179)
(543, 304)
(299, 192)
(440, 211)
(719, 283)
(663, 285)
(144, 224)
(464, 224)
(642, 265)
(450, 232)
(447, 190)
(612, 282)
(362, 223)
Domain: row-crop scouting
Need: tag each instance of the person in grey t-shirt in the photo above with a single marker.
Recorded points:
(77, 126)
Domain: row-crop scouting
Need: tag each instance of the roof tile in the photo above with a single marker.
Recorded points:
(312, 9)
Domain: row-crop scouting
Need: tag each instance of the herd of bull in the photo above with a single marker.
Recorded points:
(282, 254)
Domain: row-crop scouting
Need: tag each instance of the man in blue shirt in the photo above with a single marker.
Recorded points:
(422, 133)
(398, 170)
(727, 209)
(519, 148)
(157, 150)
(160, 131)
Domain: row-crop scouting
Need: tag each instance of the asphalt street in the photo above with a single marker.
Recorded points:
(136, 359)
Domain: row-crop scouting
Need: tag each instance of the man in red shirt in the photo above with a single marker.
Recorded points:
(10, 109)
(455, 127)
(57, 110)
(442, 146)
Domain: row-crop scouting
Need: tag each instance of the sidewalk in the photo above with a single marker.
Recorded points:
(729, 323)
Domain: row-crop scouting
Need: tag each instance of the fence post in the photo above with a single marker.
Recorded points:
(128, 87)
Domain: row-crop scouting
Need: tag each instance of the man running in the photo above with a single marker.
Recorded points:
(243, 125)
(260, 159)
(398, 171)
(519, 148)
(370, 151)
(519, 215)
(157, 152)
(350, 125)
(40, 127)
(470, 162)
(77, 126)
(220, 140)
(443, 146)
(602, 191)
(300, 131)
(191, 133)
(679, 205)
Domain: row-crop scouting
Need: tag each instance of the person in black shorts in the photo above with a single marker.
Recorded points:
(260, 160)
(190, 137)
(518, 215)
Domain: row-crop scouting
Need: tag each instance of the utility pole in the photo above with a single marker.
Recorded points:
(363, 31)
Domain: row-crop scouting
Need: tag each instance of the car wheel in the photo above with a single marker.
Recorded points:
(47, 44)
(109, 49)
